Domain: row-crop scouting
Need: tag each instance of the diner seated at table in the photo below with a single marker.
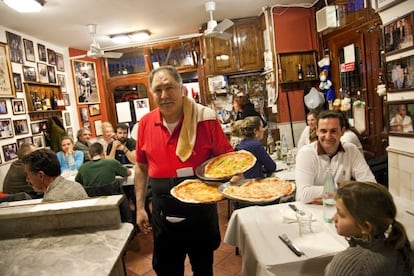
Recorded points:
(378, 243)
(350, 135)
(345, 160)
(43, 173)
(15, 179)
(69, 158)
(108, 135)
(308, 134)
(83, 143)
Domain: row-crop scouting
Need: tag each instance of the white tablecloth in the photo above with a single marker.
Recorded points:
(254, 230)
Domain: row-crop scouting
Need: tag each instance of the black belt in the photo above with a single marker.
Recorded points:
(164, 185)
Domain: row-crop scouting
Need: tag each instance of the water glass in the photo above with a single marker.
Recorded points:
(304, 222)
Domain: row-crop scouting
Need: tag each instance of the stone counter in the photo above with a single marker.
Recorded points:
(91, 251)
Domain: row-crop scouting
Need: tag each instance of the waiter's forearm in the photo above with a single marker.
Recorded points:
(140, 181)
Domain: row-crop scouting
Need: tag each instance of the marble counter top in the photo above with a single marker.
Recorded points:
(88, 251)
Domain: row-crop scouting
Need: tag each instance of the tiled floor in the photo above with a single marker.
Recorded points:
(139, 253)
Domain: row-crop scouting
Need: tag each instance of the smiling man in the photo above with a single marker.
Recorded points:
(345, 160)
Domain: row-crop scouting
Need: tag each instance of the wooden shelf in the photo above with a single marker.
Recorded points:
(288, 67)
(44, 115)
(41, 90)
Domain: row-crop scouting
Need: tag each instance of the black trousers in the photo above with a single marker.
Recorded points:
(182, 229)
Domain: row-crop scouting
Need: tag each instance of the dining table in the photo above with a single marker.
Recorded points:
(255, 232)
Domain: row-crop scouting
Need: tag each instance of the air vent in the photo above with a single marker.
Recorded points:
(326, 18)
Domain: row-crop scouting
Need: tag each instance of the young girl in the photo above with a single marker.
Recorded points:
(366, 216)
(68, 155)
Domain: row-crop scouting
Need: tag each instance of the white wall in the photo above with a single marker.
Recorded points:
(18, 68)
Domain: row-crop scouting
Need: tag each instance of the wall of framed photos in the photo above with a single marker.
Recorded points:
(398, 36)
(31, 61)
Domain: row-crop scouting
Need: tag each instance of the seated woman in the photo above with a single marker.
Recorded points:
(69, 158)
(108, 135)
(350, 135)
(243, 108)
(309, 132)
(378, 243)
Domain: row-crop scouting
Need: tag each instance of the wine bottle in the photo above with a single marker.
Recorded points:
(300, 72)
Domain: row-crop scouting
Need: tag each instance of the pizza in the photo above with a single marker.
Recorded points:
(196, 191)
(229, 164)
(260, 190)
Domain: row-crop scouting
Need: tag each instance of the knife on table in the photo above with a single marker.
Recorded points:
(294, 208)
(290, 245)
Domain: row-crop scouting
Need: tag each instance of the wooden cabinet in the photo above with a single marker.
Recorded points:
(243, 52)
(288, 64)
(43, 100)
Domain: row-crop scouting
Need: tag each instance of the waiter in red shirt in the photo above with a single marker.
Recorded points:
(173, 140)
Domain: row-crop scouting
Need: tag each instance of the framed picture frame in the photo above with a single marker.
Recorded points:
(61, 80)
(29, 50)
(17, 79)
(94, 109)
(60, 64)
(9, 152)
(86, 86)
(66, 119)
(400, 74)
(41, 50)
(7, 89)
(6, 128)
(398, 34)
(84, 115)
(26, 140)
(69, 132)
(15, 43)
(39, 141)
(43, 74)
(400, 118)
(20, 127)
(87, 125)
(18, 106)
(51, 57)
(3, 107)
(66, 100)
(386, 4)
(38, 127)
(51, 74)
(98, 127)
(29, 73)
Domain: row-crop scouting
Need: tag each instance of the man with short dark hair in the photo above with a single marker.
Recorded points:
(122, 148)
(100, 171)
(313, 160)
(43, 173)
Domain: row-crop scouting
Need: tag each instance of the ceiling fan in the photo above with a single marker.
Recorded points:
(95, 50)
(214, 29)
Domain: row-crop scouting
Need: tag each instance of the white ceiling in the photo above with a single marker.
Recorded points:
(64, 22)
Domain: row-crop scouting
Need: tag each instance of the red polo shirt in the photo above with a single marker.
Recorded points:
(156, 147)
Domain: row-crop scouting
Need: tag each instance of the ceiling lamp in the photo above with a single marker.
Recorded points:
(25, 6)
(131, 37)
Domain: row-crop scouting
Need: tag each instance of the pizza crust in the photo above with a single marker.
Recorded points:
(260, 190)
(196, 191)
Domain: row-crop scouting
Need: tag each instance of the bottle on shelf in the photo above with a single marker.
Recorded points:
(270, 142)
(53, 102)
(328, 197)
(300, 72)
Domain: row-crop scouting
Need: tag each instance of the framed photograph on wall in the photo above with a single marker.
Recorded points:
(6, 76)
(20, 127)
(6, 128)
(66, 99)
(386, 4)
(15, 43)
(60, 65)
(401, 116)
(18, 106)
(38, 127)
(66, 118)
(41, 50)
(86, 85)
(29, 50)
(87, 125)
(27, 140)
(3, 106)
(94, 109)
(29, 73)
(69, 132)
(51, 74)
(39, 141)
(18, 85)
(84, 115)
(51, 57)
(10, 152)
(398, 35)
(400, 74)
(61, 80)
(98, 127)
(42, 69)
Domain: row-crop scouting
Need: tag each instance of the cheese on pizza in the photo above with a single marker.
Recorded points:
(266, 189)
(196, 191)
(229, 164)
